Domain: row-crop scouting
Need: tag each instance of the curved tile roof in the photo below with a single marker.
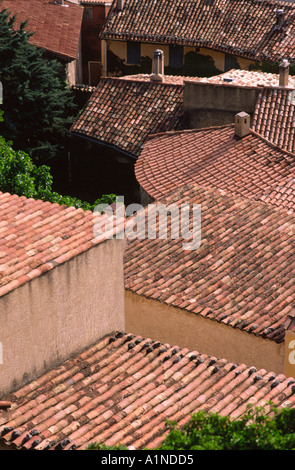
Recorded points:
(124, 111)
(124, 388)
(214, 158)
(246, 28)
(242, 275)
(56, 28)
(37, 236)
(274, 117)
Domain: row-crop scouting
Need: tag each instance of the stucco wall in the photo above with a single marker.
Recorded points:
(119, 48)
(208, 104)
(64, 311)
(158, 321)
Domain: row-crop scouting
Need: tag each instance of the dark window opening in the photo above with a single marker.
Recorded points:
(230, 62)
(133, 52)
(176, 56)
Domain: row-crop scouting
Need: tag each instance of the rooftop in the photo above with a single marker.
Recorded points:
(241, 275)
(122, 112)
(37, 236)
(248, 78)
(247, 28)
(274, 117)
(56, 27)
(123, 389)
(214, 158)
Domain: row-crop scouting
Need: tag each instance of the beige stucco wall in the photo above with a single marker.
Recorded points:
(119, 48)
(158, 321)
(52, 317)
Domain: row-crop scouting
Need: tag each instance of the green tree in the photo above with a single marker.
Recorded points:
(38, 104)
(20, 175)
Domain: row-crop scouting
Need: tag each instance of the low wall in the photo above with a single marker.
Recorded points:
(52, 317)
(207, 104)
(178, 327)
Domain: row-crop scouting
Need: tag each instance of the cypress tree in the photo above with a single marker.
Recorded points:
(38, 104)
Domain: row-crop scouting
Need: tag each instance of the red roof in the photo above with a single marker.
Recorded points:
(244, 28)
(37, 236)
(124, 388)
(274, 117)
(123, 111)
(56, 27)
(242, 275)
(214, 158)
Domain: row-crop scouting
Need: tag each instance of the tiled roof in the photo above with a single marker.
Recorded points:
(56, 27)
(246, 28)
(243, 273)
(37, 236)
(248, 78)
(123, 112)
(274, 117)
(213, 158)
(123, 389)
(281, 195)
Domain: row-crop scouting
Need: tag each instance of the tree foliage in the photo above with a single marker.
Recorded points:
(20, 175)
(257, 429)
(38, 104)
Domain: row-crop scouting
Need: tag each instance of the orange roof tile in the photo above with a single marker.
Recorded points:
(243, 273)
(214, 158)
(123, 389)
(37, 236)
(56, 27)
(245, 28)
(123, 112)
(274, 117)
(248, 78)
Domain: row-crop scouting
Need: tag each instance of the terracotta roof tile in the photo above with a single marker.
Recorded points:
(57, 28)
(246, 28)
(123, 112)
(241, 275)
(36, 236)
(274, 117)
(248, 78)
(128, 386)
(215, 158)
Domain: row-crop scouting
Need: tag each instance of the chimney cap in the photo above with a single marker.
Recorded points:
(242, 124)
(285, 63)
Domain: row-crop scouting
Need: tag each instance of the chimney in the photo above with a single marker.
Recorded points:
(120, 5)
(280, 14)
(284, 73)
(158, 66)
(242, 124)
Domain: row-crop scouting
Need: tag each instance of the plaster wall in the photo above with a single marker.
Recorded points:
(57, 315)
(158, 321)
(207, 104)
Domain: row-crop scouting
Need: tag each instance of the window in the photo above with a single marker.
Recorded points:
(88, 14)
(94, 71)
(133, 52)
(230, 62)
(176, 56)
